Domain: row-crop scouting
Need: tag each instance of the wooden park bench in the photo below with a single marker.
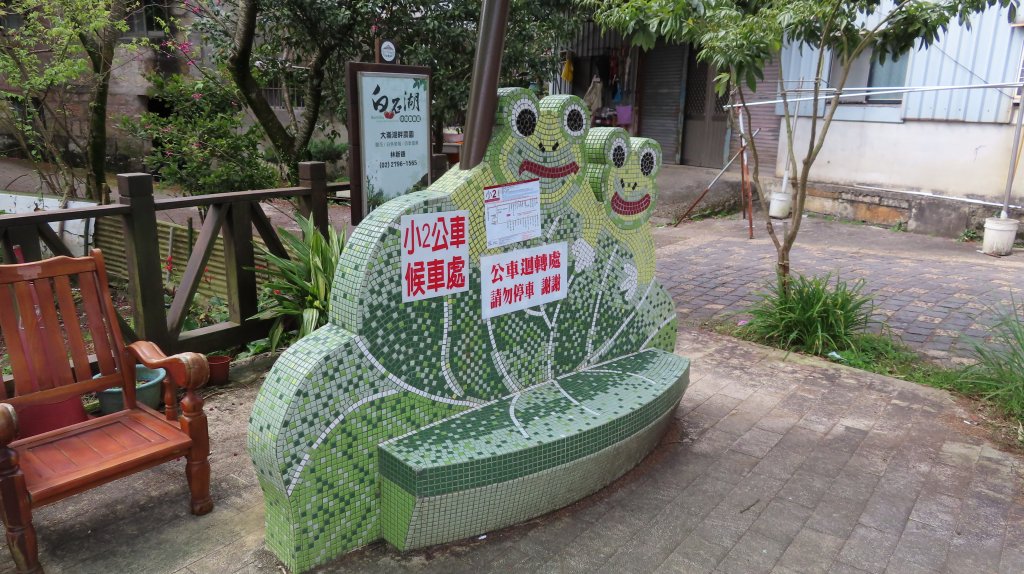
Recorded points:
(459, 388)
(49, 447)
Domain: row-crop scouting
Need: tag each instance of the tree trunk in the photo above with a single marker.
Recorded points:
(100, 50)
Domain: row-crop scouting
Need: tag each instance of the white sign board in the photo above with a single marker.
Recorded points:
(435, 252)
(394, 121)
(524, 278)
(512, 212)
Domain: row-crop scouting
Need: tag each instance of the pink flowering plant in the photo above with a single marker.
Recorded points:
(201, 142)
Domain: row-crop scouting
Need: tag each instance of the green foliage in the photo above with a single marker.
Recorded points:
(44, 68)
(327, 150)
(300, 290)
(880, 353)
(203, 144)
(810, 315)
(998, 375)
(968, 235)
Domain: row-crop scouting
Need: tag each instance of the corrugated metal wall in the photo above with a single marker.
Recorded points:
(662, 87)
(990, 52)
(109, 237)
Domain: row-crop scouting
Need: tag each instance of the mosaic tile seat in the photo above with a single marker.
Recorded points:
(568, 438)
(423, 422)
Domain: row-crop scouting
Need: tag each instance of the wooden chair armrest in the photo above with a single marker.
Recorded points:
(8, 424)
(187, 370)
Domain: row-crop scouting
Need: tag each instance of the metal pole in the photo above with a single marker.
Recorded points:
(483, 92)
(1013, 161)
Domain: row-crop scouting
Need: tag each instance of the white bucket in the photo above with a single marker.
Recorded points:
(999, 236)
(780, 205)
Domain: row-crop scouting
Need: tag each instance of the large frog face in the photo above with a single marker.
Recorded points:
(623, 175)
(542, 140)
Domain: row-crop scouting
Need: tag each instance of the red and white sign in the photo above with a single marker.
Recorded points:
(435, 254)
(524, 278)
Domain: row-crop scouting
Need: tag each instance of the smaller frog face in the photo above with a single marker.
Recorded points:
(539, 139)
(623, 174)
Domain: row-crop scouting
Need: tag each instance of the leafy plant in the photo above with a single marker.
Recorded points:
(969, 235)
(301, 288)
(203, 144)
(999, 373)
(900, 227)
(327, 150)
(810, 315)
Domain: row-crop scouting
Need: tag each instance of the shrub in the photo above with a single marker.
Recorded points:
(811, 316)
(300, 290)
(202, 144)
(999, 373)
(327, 150)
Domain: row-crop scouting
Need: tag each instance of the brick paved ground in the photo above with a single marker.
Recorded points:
(929, 291)
(775, 464)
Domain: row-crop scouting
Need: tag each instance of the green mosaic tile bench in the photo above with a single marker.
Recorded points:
(422, 421)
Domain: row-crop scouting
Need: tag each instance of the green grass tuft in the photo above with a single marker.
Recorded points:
(810, 316)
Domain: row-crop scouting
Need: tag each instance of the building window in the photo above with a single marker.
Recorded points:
(283, 95)
(148, 19)
(867, 71)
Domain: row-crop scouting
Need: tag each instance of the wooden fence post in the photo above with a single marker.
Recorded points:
(313, 174)
(239, 260)
(142, 250)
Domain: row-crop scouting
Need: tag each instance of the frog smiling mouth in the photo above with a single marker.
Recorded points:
(623, 207)
(548, 172)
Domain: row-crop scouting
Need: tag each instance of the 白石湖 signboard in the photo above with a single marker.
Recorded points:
(394, 125)
(521, 279)
(435, 252)
(512, 212)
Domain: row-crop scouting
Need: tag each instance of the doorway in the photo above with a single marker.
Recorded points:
(705, 122)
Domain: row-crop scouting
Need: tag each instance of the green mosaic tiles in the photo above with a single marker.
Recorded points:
(422, 422)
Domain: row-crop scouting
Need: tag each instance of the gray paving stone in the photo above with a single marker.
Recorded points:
(923, 545)
(694, 554)
(869, 549)
(781, 520)
(888, 512)
(811, 552)
(753, 554)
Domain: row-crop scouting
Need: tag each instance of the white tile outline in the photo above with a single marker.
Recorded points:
(608, 344)
(500, 362)
(327, 431)
(361, 343)
(658, 330)
(446, 370)
(597, 304)
(512, 415)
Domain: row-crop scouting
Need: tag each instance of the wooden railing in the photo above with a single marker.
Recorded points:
(232, 215)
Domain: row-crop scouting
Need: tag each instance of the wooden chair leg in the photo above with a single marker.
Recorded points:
(16, 511)
(197, 469)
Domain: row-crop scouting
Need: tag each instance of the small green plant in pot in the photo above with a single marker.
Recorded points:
(299, 294)
(810, 315)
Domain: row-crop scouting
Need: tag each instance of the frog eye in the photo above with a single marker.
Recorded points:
(648, 162)
(575, 120)
(524, 117)
(617, 155)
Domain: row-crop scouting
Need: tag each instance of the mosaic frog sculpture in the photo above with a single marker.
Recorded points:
(423, 422)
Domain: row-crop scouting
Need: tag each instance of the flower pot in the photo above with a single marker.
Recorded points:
(999, 236)
(780, 205)
(149, 384)
(220, 367)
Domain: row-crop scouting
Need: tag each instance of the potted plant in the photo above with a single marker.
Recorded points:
(148, 387)
(220, 367)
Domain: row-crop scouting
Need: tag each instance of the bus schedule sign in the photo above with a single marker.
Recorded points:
(391, 144)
